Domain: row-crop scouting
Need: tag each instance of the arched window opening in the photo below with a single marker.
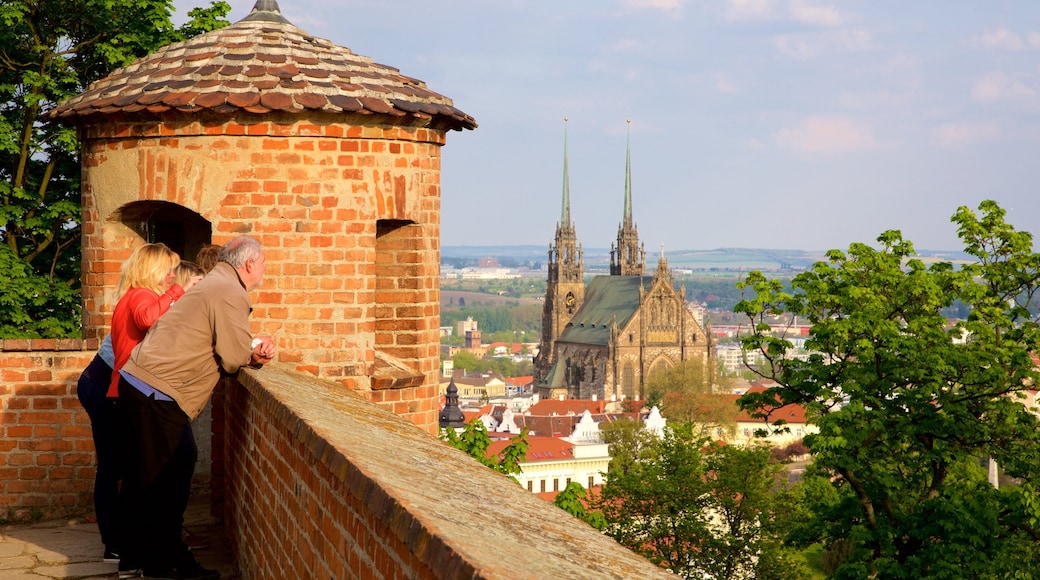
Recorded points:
(183, 230)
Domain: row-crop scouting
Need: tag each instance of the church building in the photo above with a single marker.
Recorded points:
(602, 340)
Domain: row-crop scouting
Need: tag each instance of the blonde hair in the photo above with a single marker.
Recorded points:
(147, 267)
(185, 271)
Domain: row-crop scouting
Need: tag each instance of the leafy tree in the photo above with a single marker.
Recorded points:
(475, 441)
(698, 509)
(906, 408)
(573, 500)
(51, 50)
(689, 392)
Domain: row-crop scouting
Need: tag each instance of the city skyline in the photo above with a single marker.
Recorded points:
(754, 123)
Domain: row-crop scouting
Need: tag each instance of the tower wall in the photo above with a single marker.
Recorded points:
(348, 212)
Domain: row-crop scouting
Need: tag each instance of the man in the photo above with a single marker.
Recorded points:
(163, 386)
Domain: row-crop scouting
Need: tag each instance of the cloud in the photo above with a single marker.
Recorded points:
(724, 84)
(800, 11)
(750, 9)
(795, 46)
(1000, 86)
(666, 5)
(805, 46)
(1004, 39)
(826, 136)
(963, 134)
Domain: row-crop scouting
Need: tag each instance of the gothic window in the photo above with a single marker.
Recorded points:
(628, 380)
(661, 366)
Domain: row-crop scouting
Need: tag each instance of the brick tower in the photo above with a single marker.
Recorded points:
(331, 160)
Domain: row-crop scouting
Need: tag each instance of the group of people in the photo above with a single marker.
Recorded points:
(177, 326)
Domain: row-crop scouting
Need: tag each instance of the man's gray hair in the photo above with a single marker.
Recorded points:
(239, 251)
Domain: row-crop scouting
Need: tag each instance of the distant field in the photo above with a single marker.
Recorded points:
(449, 297)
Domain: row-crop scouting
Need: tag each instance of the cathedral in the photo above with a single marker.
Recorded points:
(603, 339)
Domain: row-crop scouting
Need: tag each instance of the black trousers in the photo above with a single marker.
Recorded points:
(158, 455)
(92, 390)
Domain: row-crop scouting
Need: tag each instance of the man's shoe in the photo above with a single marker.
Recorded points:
(187, 571)
(129, 570)
(110, 557)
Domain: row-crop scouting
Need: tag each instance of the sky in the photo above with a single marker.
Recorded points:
(782, 124)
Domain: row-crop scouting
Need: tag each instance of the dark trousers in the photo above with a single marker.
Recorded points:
(158, 455)
(91, 390)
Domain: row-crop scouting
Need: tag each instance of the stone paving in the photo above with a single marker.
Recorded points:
(71, 550)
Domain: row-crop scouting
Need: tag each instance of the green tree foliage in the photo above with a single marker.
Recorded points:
(51, 50)
(525, 319)
(573, 500)
(689, 392)
(906, 407)
(504, 366)
(474, 440)
(701, 510)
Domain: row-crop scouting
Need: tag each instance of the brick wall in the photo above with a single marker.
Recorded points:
(319, 482)
(325, 484)
(347, 209)
(46, 451)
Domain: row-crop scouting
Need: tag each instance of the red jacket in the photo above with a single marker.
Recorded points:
(135, 313)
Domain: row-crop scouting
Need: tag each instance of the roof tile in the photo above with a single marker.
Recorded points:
(276, 101)
(257, 67)
(210, 100)
(243, 100)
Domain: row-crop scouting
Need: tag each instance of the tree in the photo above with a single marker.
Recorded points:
(474, 440)
(689, 392)
(699, 509)
(907, 408)
(51, 50)
(574, 500)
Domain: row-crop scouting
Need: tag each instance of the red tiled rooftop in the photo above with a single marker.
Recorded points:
(261, 64)
(567, 406)
(538, 449)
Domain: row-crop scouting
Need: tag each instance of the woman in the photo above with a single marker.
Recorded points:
(92, 391)
(147, 289)
(147, 292)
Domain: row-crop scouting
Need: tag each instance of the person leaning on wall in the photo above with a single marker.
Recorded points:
(163, 386)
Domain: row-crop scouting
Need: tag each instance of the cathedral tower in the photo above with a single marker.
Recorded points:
(565, 288)
(627, 257)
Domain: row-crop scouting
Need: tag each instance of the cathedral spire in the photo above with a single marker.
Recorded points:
(627, 258)
(565, 217)
(628, 175)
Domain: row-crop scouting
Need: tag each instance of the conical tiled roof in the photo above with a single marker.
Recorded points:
(260, 64)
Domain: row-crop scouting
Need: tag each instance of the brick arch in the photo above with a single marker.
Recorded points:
(180, 228)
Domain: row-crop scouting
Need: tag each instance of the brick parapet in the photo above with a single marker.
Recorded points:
(325, 484)
(46, 448)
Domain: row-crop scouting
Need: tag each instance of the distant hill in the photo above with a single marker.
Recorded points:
(718, 258)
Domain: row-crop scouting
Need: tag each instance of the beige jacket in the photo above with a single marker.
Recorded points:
(204, 332)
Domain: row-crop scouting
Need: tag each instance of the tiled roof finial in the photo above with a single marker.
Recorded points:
(266, 11)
